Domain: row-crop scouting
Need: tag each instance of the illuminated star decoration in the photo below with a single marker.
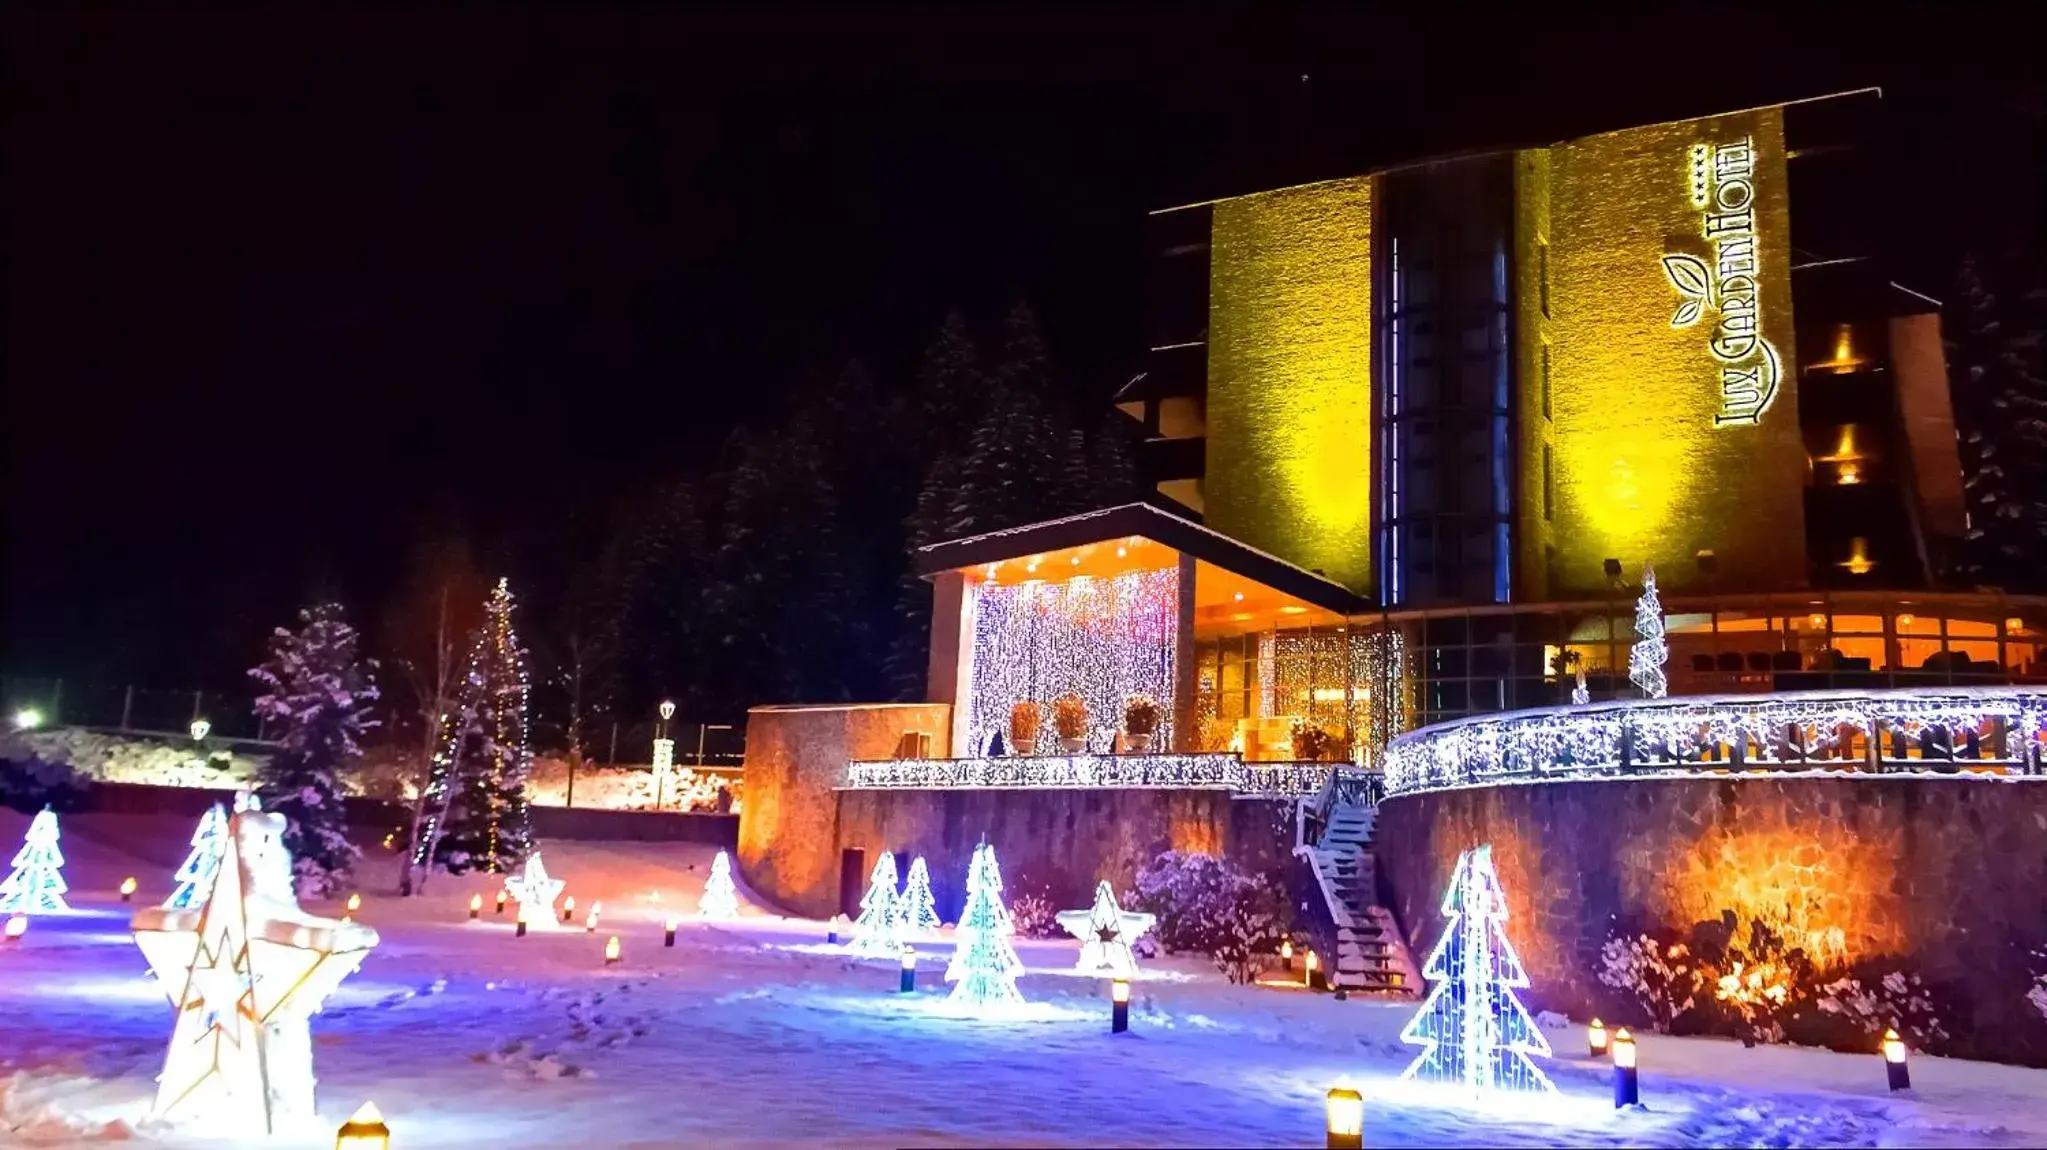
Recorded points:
(1473, 1030)
(246, 970)
(1106, 931)
(535, 893)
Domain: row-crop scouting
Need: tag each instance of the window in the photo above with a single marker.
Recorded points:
(1549, 487)
(1545, 381)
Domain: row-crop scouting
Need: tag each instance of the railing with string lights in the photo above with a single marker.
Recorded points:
(1991, 730)
(1224, 772)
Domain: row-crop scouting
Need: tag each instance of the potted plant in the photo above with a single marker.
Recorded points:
(1024, 720)
(1140, 722)
(1069, 717)
(1311, 743)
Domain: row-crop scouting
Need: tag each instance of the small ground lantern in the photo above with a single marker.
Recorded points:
(611, 951)
(128, 889)
(1626, 1090)
(1119, 1006)
(1346, 1117)
(668, 932)
(501, 902)
(17, 925)
(354, 904)
(1286, 955)
(1595, 1038)
(1894, 1061)
(909, 982)
(476, 906)
(364, 1130)
(520, 930)
(569, 909)
(1314, 968)
(590, 920)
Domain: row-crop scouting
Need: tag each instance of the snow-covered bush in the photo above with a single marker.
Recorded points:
(149, 761)
(1871, 1003)
(1760, 981)
(1034, 916)
(1214, 907)
(1657, 974)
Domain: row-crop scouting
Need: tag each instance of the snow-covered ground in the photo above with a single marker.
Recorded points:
(756, 1032)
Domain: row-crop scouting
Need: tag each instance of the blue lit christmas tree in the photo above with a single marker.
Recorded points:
(37, 884)
(984, 968)
(915, 912)
(195, 877)
(876, 931)
(1473, 1029)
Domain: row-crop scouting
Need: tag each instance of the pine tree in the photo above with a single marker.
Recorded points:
(984, 966)
(915, 911)
(195, 876)
(36, 885)
(875, 932)
(720, 899)
(480, 784)
(1114, 462)
(1647, 657)
(318, 695)
(1473, 1029)
(2000, 397)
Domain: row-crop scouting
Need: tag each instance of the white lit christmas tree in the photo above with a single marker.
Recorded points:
(720, 900)
(37, 884)
(915, 911)
(1647, 657)
(984, 968)
(195, 877)
(1474, 1032)
(875, 932)
(476, 815)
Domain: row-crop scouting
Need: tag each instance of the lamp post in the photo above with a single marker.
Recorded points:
(664, 751)
(1345, 1109)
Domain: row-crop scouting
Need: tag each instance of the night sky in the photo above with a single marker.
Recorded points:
(286, 292)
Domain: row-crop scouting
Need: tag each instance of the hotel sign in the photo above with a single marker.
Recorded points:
(1723, 283)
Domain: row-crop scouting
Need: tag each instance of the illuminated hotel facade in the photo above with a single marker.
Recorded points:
(1420, 430)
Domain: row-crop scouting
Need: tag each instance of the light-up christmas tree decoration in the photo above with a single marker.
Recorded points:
(477, 817)
(37, 884)
(985, 967)
(875, 932)
(1647, 657)
(720, 899)
(915, 912)
(1474, 1032)
(245, 970)
(1105, 931)
(195, 877)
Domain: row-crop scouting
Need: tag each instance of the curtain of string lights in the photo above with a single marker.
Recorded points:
(1929, 729)
(1101, 639)
(1075, 772)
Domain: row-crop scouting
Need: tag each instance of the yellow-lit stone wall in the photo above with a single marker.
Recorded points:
(1658, 453)
(1289, 376)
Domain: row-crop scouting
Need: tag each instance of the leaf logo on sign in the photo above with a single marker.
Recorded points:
(1689, 276)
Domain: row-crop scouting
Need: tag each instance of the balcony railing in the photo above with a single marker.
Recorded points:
(1939, 730)
(1224, 772)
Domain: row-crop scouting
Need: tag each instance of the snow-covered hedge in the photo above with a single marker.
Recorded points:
(1212, 906)
(131, 759)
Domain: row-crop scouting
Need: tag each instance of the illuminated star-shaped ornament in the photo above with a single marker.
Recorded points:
(1106, 931)
(536, 893)
(245, 971)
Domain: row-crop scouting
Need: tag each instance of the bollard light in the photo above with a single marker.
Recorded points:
(611, 951)
(475, 906)
(128, 889)
(1595, 1038)
(501, 902)
(364, 1130)
(908, 985)
(1286, 956)
(668, 932)
(1626, 1089)
(1119, 1006)
(569, 909)
(17, 925)
(354, 903)
(520, 930)
(1314, 968)
(590, 920)
(1346, 1117)
(1895, 1069)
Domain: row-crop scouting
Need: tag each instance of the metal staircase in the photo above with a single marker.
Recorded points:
(1370, 955)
